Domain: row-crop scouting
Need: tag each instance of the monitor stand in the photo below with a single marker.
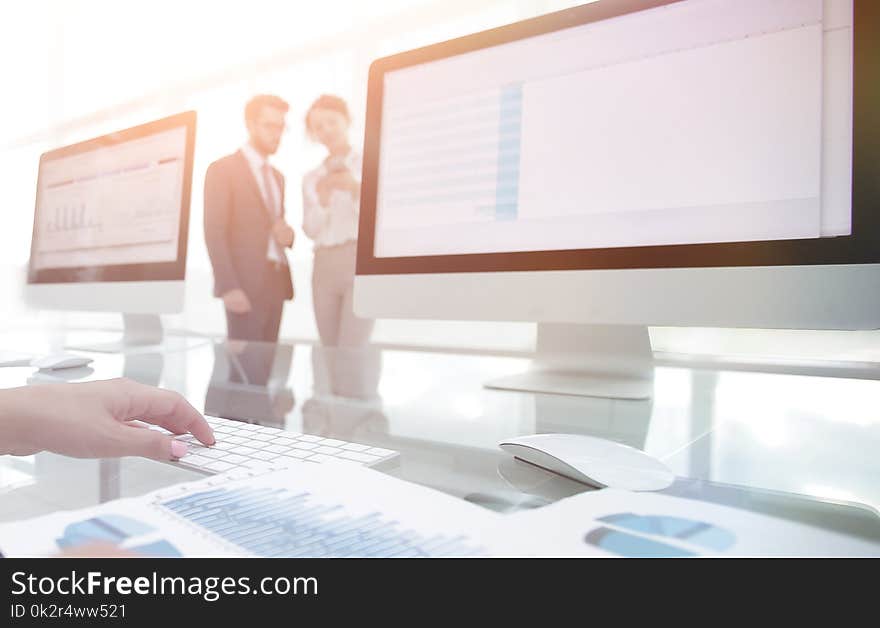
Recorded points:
(607, 361)
(139, 330)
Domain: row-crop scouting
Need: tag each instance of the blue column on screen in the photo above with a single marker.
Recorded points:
(509, 130)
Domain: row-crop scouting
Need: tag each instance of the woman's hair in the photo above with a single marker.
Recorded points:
(328, 101)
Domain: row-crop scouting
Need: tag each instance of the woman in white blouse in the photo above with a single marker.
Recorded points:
(331, 203)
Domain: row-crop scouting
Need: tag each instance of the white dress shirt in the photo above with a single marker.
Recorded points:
(271, 197)
(337, 222)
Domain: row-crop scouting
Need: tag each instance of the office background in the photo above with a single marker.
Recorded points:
(75, 70)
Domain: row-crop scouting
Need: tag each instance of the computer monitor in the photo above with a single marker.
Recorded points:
(629, 163)
(110, 226)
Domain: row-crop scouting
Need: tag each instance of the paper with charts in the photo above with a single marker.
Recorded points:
(328, 510)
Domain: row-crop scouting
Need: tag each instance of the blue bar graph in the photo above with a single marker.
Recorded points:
(275, 522)
(455, 157)
(509, 139)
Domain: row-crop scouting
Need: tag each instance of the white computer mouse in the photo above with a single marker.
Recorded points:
(594, 461)
(60, 361)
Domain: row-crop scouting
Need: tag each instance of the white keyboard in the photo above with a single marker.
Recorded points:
(245, 445)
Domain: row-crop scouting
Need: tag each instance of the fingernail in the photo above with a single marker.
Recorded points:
(178, 449)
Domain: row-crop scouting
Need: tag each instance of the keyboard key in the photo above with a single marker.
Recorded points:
(295, 453)
(213, 454)
(301, 444)
(225, 445)
(359, 457)
(332, 442)
(378, 451)
(263, 437)
(198, 461)
(219, 466)
(278, 449)
(355, 447)
(320, 458)
(323, 449)
(309, 438)
(342, 460)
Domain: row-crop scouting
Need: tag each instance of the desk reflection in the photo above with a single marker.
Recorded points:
(622, 420)
(345, 400)
(145, 368)
(249, 382)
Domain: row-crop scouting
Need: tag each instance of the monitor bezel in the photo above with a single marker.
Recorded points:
(862, 247)
(153, 271)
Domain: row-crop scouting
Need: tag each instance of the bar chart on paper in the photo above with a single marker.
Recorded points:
(276, 522)
(288, 510)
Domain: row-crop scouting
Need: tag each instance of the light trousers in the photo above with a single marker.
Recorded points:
(332, 296)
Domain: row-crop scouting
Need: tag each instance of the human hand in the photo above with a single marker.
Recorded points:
(237, 302)
(283, 233)
(103, 419)
(322, 187)
(341, 180)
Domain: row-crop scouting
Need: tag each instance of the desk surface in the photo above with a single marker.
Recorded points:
(765, 442)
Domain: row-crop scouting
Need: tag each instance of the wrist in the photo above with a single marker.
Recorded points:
(14, 423)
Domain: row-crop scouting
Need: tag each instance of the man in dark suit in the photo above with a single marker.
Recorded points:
(245, 230)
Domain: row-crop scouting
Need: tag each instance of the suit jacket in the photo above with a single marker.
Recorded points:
(237, 229)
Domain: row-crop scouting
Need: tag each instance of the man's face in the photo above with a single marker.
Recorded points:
(266, 129)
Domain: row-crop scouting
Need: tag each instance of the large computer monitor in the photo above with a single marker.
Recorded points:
(111, 223)
(629, 163)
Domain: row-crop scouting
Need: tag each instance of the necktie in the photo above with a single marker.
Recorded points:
(275, 252)
(271, 204)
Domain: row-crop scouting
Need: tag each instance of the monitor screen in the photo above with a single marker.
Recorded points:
(689, 133)
(115, 207)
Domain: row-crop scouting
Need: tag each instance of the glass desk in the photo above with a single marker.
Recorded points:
(798, 447)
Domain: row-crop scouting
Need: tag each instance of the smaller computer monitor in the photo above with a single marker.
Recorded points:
(111, 223)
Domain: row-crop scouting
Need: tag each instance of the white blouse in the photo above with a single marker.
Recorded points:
(337, 223)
